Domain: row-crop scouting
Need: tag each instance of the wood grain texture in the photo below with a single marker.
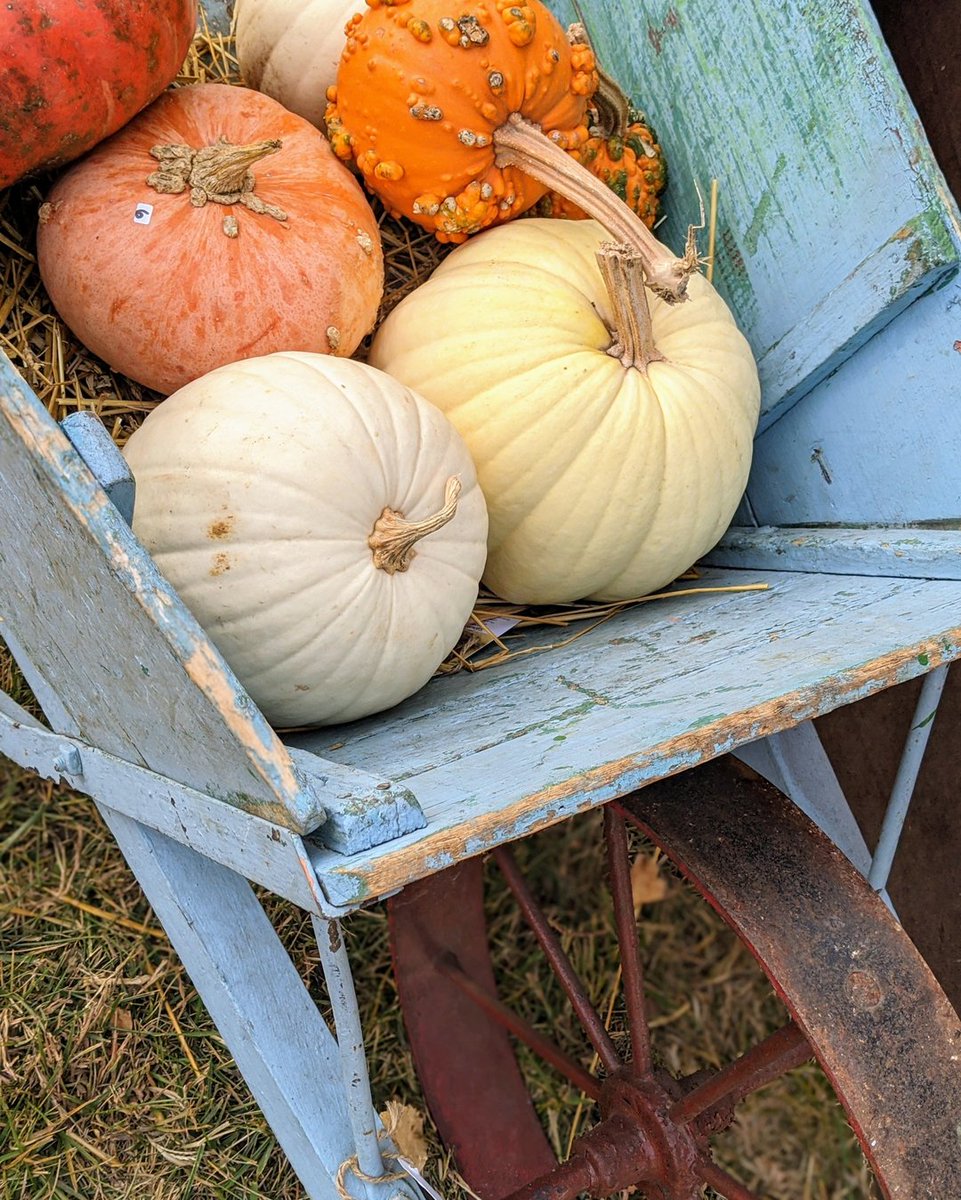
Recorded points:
(284, 1049)
(257, 849)
(96, 447)
(901, 553)
(925, 39)
(877, 443)
(494, 755)
(832, 213)
(131, 670)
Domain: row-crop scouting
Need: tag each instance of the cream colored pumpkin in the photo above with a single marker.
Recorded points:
(279, 496)
(290, 49)
(602, 479)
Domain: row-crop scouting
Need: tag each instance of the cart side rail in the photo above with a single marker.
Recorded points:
(113, 655)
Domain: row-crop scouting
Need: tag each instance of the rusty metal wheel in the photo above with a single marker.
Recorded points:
(858, 996)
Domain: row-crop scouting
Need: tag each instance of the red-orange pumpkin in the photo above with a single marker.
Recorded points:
(215, 226)
(73, 71)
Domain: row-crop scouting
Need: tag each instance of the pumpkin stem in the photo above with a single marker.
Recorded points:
(219, 173)
(623, 272)
(521, 144)
(393, 537)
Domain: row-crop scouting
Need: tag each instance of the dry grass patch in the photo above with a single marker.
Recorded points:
(115, 1084)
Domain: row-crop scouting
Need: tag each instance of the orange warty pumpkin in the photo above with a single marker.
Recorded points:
(216, 226)
(421, 89)
(629, 160)
(462, 122)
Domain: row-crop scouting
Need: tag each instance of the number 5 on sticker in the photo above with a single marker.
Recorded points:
(142, 214)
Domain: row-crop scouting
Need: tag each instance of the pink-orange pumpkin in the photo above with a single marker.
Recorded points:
(216, 226)
(72, 72)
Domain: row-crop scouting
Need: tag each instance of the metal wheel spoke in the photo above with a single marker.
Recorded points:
(560, 964)
(784, 1050)
(632, 974)
(725, 1185)
(515, 1024)
(567, 1181)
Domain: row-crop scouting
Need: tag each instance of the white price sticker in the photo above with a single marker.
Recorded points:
(142, 214)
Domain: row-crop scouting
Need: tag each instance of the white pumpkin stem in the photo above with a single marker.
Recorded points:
(519, 143)
(393, 537)
(623, 273)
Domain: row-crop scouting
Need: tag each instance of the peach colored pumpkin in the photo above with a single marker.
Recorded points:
(168, 264)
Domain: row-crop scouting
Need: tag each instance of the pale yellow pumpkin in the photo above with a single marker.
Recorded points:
(605, 476)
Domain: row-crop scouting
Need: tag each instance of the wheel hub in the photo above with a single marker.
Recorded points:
(638, 1144)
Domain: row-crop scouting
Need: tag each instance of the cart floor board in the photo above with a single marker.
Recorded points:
(495, 754)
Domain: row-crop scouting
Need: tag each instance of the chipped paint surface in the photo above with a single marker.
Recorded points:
(496, 755)
(83, 599)
(906, 553)
(799, 113)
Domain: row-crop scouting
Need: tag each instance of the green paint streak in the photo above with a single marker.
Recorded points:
(752, 235)
(924, 660)
(708, 720)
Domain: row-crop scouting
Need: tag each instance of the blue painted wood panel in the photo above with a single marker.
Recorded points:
(833, 216)
(880, 441)
(496, 754)
(904, 553)
(130, 669)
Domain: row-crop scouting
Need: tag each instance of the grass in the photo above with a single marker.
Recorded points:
(115, 1084)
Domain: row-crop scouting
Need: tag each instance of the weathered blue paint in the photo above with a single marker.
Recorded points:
(907, 775)
(878, 442)
(280, 1042)
(101, 454)
(896, 553)
(361, 810)
(350, 1043)
(832, 217)
(101, 632)
(260, 850)
(481, 751)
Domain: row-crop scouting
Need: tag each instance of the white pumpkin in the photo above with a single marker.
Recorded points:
(322, 522)
(605, 476)
(289, 49)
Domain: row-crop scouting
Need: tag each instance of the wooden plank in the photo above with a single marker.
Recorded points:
(497, 754)
(278, 1039)
(96, 447)
(129, 666)
(258, 849)
(925, 39)
(877, 443)
(900, 553)
(360, 811)
(833, 215)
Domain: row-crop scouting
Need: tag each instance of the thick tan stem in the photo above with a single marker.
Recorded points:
(623, 273)
(521, 144)
(219, 173)
(393, 537)
(223, 169)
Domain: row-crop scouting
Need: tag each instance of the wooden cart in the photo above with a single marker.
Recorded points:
(838, 244)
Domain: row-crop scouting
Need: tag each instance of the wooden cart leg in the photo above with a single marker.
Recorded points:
(280, 1042)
